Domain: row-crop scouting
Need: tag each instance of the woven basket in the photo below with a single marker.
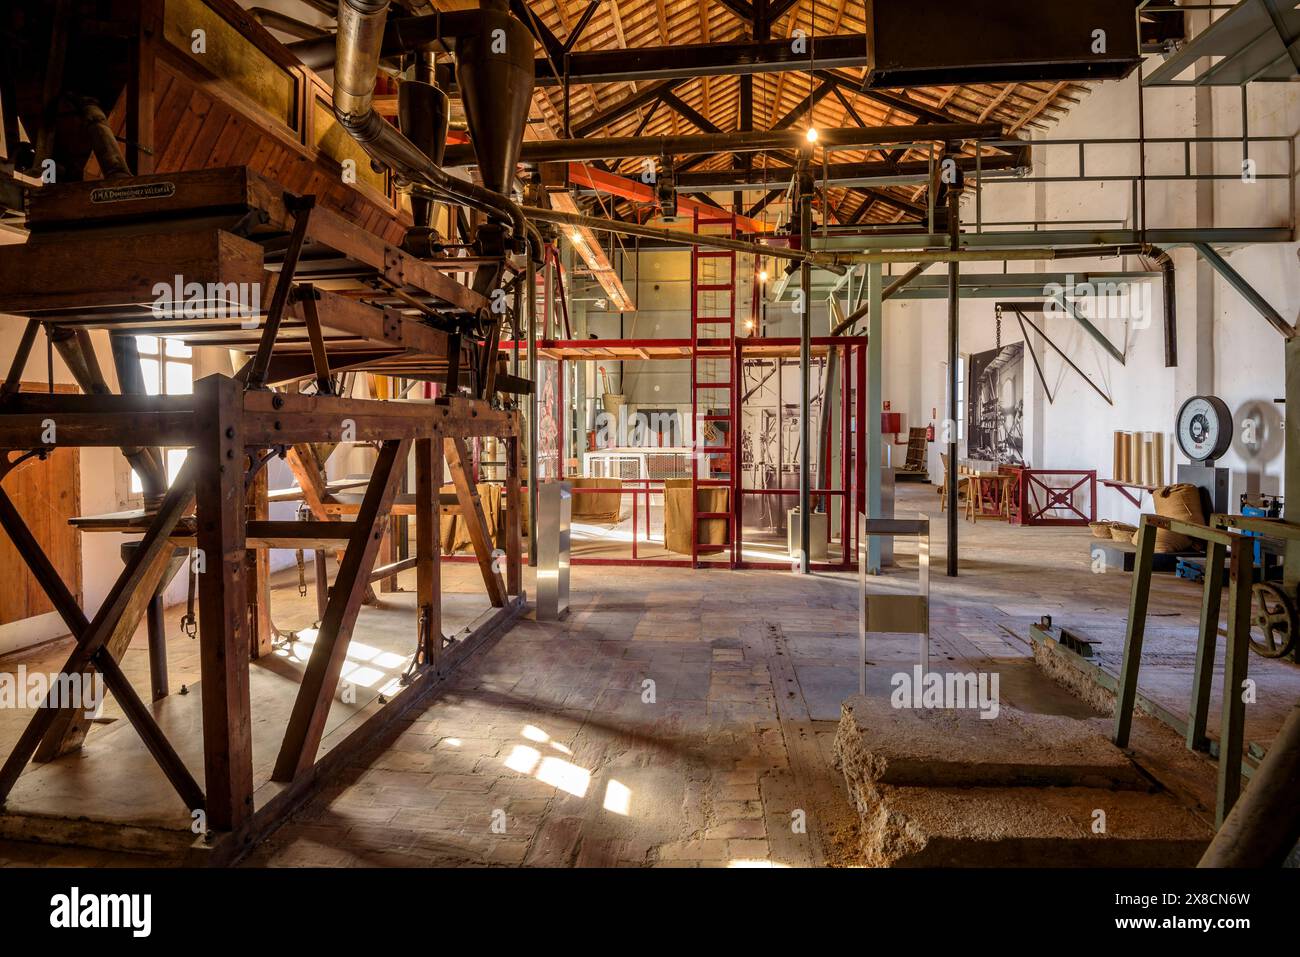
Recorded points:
(1101, 529)
(1121, 532)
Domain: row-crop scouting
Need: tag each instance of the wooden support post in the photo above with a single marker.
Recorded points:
(224, 629)
(453, 366)
(125, 603)
(1203, 675)
(471, 511)
(514, 502)
(428, 546)
(320, 680)
(140, 97)
(258, 570)
(1137, 624)
(1232, 724)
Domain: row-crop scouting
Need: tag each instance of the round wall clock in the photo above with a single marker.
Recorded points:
(1204, 428)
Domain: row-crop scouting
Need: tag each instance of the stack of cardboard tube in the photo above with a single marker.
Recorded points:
(1140, 458)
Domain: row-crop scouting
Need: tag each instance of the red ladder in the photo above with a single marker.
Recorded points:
(713, 309)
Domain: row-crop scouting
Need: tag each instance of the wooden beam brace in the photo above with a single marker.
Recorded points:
(321, 678)
(301, 207)
(576, 33)
(688, 111)
(126, 602)
(319, 360)
(471, 511)
(647, 94)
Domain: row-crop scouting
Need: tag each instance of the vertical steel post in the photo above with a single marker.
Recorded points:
(531, 280)
(1291, 468)
(805, 377)
(954, 241)
(875, 438)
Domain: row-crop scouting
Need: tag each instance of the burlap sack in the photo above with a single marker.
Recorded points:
(677, 515)
(599, 507)
(1181, 502)
(455, 535)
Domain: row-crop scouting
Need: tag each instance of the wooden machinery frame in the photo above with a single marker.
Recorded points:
(328, 297)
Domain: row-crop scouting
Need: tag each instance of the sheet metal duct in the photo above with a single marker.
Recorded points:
(1009, 41)
(494, 70)
(360, 36)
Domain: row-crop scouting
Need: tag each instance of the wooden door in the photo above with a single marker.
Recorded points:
(47, 494)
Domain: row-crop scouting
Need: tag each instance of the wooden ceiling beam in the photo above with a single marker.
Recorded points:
(625, 106)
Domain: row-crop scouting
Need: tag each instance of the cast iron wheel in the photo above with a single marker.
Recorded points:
(1272, 614)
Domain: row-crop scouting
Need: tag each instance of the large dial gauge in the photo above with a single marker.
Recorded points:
(1204, 428)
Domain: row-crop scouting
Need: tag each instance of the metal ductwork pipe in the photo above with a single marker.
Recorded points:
(824, 260)
(361, 31)
(423, 113)
(103, 142)
(859, 314)
(1166, 264)
(404, 35)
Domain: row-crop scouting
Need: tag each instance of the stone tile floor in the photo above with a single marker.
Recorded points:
(680, 718)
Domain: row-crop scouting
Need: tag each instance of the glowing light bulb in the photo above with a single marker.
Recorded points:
(762, 276)
(811, 134)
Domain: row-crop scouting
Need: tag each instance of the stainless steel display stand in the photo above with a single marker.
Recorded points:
(886, 613)
(554, 517)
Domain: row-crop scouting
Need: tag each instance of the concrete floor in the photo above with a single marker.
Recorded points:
(687, 718)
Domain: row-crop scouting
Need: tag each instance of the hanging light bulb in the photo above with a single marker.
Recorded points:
(811, 134)
(762, 276)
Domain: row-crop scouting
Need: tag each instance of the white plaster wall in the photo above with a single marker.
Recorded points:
(1225, 347)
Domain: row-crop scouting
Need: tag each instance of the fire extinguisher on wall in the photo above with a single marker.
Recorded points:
(929, 432)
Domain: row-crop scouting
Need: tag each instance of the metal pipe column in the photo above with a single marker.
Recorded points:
(530, 295)
(805, 377)
(954, 300)
(874, 386)
(1291, 466)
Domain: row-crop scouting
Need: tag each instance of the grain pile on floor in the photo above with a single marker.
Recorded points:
(948, 788)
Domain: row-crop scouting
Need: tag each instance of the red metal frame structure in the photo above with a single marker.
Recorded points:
(853, 467)
(706, 351)
(1039, 492)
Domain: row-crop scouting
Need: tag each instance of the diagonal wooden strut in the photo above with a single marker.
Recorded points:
(66, 605)
(300, 207)
(311, 708)
(128, 597)
(471, 510)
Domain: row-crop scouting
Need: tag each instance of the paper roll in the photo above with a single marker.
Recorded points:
(1160, 459)
(1135, 458)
